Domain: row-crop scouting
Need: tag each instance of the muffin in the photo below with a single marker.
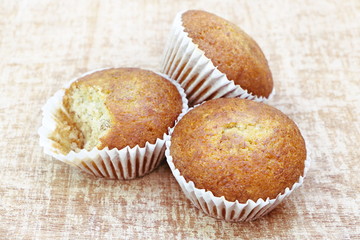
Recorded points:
(237, 151)
(112, 122)
(122, 107)
(211, 58)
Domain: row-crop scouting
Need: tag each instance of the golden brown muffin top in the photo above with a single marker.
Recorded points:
(239, 149)
(142, 104)
(231, 50)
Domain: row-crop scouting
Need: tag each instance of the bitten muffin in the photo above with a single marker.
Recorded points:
(240, 149)
(116, 108)
(231, 50)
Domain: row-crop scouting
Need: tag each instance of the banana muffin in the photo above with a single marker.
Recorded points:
(211, 58)
(116, 108)
(231, 50)
(240, 149)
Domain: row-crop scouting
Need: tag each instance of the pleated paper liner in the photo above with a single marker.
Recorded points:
(219, 207)
(184, 62)
(126, 163)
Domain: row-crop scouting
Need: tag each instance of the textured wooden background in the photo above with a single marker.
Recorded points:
(313, 48)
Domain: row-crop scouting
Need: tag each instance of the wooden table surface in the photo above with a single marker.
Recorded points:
(313, 48)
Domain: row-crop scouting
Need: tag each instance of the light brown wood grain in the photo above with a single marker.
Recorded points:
(314, 54)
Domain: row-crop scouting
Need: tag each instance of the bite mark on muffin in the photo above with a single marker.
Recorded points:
(86, 106)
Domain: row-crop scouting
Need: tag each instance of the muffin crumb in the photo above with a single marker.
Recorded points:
(90, 114)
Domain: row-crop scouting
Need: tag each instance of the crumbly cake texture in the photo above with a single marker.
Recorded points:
(116, 108)
(231, 50)
(66, 136)
(239, 149)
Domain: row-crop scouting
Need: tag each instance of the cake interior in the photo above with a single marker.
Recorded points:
(85, 121)
(90, 114)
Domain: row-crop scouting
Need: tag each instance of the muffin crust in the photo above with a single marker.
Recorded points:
(238, 149)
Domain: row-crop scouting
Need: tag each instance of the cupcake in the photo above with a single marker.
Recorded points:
(237, 159)
(212, 58)
(112, 123)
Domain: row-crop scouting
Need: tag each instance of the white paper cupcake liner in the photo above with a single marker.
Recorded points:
(126, 163)
(184, 62)
(219, 207)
